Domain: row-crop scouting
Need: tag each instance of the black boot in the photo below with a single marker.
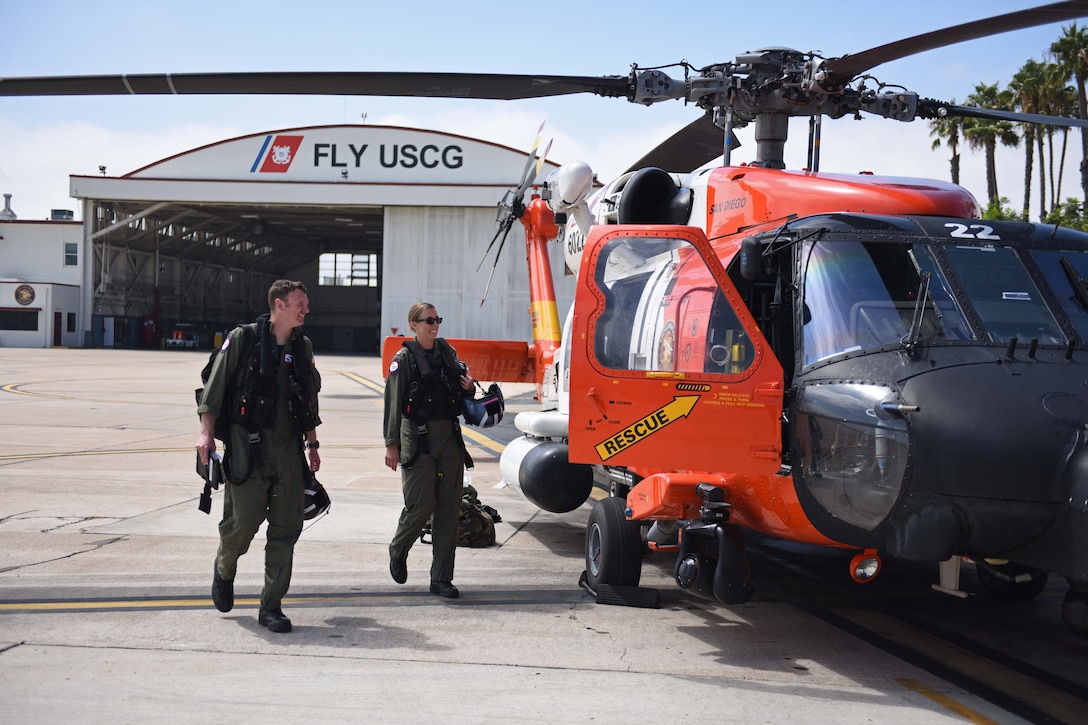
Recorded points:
(222, 591)
(274, 619)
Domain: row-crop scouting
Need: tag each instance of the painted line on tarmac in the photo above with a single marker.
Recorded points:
(110, 452)
(120, 604)
(947, 702)
(380, 389)
(1035, 699)
(129, 451)
(14, 388)
(485, 442)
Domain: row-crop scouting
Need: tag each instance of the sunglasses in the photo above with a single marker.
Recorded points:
(430, 320)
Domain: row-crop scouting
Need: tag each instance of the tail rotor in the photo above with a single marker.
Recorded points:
(512, 206)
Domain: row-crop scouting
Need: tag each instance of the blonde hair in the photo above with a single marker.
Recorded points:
(416, 310)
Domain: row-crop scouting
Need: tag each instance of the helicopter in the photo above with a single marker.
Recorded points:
(850, 361)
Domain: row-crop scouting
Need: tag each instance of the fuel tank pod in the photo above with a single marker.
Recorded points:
(543, 472)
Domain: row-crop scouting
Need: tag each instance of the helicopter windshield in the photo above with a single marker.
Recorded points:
(1066, 272)
(860, 295)
(1007, 301)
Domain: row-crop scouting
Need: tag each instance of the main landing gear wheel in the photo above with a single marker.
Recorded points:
(613, 546)
(997, 586)
(1075, 611)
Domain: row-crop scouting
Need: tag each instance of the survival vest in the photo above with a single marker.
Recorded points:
(433, 394)
(252, 391)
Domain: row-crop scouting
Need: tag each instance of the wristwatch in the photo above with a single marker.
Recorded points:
(315, 444)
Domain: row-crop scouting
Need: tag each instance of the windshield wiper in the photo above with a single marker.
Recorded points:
(1080, 285)
(910, 342)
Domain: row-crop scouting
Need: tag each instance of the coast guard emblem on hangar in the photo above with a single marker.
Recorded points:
(24, 294)
(276, 154)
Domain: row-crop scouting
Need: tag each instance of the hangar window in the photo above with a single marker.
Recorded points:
(348, 270)
(22, 320)
(71, 254)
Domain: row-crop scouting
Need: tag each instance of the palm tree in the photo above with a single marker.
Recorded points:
(949, 128)
(1058, 99)
(983, 134)
(1071, 53)
(1028, 87)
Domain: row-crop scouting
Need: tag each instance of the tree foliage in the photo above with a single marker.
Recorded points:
(1038, 87)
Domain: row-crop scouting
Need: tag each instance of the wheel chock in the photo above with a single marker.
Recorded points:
(624, 596)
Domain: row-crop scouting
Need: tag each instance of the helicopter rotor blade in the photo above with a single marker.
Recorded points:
(687, 149)
(841, 70)
(542, 158)
(504, 225)
(526, 179)
(495, 86)
(498, 253)
(529, 161)
(934, 109)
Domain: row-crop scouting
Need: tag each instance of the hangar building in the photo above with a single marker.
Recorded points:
(370, 218)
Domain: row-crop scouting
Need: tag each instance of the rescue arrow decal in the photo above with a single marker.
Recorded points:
(680, 407)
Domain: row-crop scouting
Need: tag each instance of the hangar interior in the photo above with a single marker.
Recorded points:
(161, 265)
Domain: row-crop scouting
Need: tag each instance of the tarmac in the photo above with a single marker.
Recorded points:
(106, 613)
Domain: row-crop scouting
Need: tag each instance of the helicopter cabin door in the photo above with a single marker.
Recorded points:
(668, 369)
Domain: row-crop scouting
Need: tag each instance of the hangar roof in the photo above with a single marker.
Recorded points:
(277, 199)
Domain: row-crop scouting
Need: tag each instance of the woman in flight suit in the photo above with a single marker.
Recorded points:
(423, 392)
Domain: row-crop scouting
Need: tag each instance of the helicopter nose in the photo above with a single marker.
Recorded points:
(999, 461)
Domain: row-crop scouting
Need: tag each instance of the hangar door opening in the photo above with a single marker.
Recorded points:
(353, 278)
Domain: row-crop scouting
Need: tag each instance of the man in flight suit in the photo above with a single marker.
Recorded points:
(272, 408)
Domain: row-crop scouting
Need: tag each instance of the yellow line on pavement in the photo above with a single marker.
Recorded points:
(363, 381)
(14, 388)
(477, 438)
(92, 605)
(947, 702)
(110, 452)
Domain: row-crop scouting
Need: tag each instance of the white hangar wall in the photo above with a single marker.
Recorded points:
(41, 267)
(431, 254)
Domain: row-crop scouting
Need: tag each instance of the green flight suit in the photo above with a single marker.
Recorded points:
(278, 470)
(432, 484)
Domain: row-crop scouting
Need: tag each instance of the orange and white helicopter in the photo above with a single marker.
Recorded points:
(849, 361)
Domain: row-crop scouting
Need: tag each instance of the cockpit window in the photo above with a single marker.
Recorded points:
(664, 311)
(1007, 301)
(862, 295)
(1066, 272)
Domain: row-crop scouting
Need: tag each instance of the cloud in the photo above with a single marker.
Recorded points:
(36, 162)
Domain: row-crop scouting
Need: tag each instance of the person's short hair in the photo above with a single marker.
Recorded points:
(280, 289)
(416, 310)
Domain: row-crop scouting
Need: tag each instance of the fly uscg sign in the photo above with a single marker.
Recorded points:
(279, 151)
(373, 154)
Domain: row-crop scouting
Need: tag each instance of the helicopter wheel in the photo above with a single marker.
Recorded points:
(613, 546)
(1075, 611)
(1004, 590)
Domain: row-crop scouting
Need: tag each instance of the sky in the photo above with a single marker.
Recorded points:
(44, 140)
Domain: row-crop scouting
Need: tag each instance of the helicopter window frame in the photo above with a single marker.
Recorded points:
(1015, 301)
(1057, 266)
(643, 324)
(866, 304)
